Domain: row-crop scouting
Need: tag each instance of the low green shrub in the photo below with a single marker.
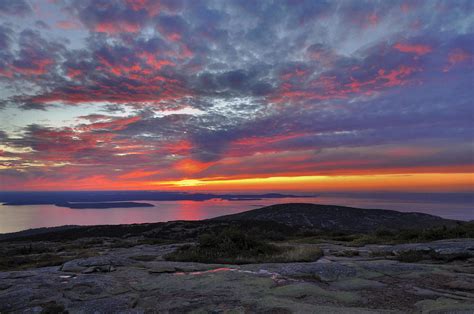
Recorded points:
(234, 246)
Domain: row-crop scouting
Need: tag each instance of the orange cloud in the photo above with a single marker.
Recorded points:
(138, 174)
(190, 166)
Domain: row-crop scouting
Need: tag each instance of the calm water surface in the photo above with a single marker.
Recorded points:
(16, 218)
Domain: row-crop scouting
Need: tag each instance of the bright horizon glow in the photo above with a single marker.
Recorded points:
(407, 182)
(391, 182)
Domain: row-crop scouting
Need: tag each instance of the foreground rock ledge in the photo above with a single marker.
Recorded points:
(138, 280)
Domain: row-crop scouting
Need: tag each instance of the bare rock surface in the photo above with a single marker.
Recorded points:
(138, 280)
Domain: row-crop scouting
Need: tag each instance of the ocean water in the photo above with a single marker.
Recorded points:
(17, 218)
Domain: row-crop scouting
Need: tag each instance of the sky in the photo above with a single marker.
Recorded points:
(224, 95)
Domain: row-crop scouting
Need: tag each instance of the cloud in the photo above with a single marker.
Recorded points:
(110, 17)
(35, 56)
(5, 37)
(15, 7)
(173, 27)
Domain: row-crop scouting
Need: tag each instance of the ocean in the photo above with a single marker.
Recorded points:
(17, 218)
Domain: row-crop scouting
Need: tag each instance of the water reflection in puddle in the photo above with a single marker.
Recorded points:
(216, 270)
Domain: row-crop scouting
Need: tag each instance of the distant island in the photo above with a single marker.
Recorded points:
(61, 198)
(104, 205)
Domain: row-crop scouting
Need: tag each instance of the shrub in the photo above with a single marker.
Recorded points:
(234, 246)
(384, 233)
(229, 244)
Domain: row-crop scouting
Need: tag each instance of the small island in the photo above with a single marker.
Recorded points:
(103, 205)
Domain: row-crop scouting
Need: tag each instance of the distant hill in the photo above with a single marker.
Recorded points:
(333, 217)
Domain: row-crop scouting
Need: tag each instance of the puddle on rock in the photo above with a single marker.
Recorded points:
(210, 271)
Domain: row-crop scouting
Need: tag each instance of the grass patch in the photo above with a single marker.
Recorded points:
(232, 246)
(296, 254)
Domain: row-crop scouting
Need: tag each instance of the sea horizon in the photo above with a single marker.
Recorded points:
(452, 205)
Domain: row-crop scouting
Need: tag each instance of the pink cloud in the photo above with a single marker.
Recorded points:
(417, 49)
